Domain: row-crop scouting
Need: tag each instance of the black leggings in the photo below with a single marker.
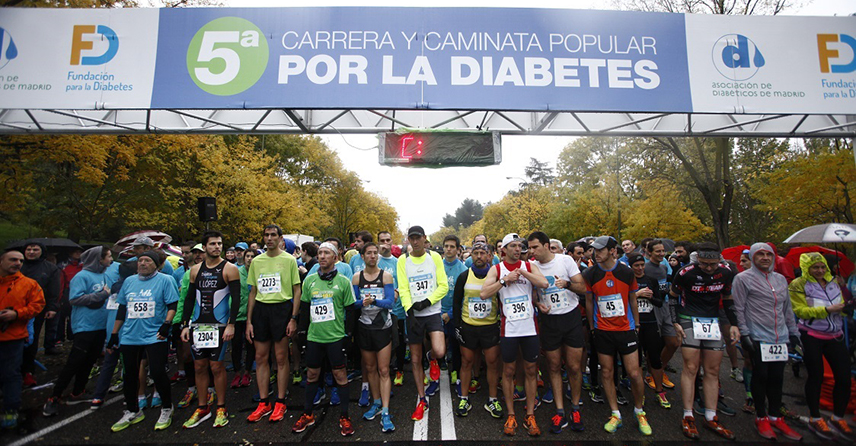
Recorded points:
(85, 350)
(767, 381)
(652, 343)
(838, 358)
(239, 346)
(401, 346)
(157, 355)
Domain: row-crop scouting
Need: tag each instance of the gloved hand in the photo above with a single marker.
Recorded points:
(795, 344)
(113, 343)
(421, 305)
(748, 345)
(164, 329)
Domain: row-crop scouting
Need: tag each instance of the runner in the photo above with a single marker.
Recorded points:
(477, 329)
(357, 264)
(355, 261)
(561, 326)
(611, 304)
(197, 253)
(422, 283)
(700, 287)
(90, 289)
(454, 267)
(513, 280)
(655, 269)
(556, 246)
(209, 322)
(766, 321)
(272, 319)
(389, 263)
(649, 298)
(820, 306)
(147, 303)
(326, 298)
(481, 238)
(375, 331)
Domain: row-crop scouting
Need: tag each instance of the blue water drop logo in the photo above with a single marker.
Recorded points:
(8, 49)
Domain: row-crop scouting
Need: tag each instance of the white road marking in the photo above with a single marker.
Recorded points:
(85, 413)
(420, 428)
(447, 416)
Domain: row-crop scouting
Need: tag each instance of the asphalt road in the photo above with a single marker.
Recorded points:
(80, 425)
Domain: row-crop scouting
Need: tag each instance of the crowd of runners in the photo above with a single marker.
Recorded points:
(508, 318)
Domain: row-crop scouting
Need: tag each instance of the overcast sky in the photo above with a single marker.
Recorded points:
(454, 184)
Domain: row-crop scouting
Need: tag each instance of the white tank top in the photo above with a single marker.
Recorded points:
(515, 299)
(422, 279)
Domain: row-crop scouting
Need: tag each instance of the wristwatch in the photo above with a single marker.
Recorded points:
(294, 317)
(502, 282)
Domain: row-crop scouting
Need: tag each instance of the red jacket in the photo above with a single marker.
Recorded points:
(25, 296)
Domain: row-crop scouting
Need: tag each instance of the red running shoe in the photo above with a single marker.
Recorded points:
(245, 380)
(29, 380)
(236, 382)
(764, 429)
(346, 426)
(278, 412)
(435, 370)
(786, 430)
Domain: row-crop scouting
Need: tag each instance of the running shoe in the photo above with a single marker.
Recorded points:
(96, 403)
(156, 401)
(386, 423)
(246, 379)
(432, 388)
(320, 395)
(142, 402)
(347, 428)
(510, 427)
(128, 418)
(212, 395)
(689, 428)
(841, 428)
(619, 397)
(373, 412)
(494, 408)
(644, 427)
(434, 370)
(51, 407)
(334, 397)
(475, 385)
(278, 413)
(93, 372)
(355, 375)
(364, 398)
(519, 395)
(718, 428)
(117, 386)
(649, 380)
(737, 374)
(296, 377)
(236, 381)
(454, 376)
(596, 394)
(537, 403)
(421, 407)
(29, 380)
(458, 389)
(625, 382)
(464, 407)
(788, 414)
(303, 422)
(764, 428)
(177, 376)
(558, 422)
(9, 420)
(749, 407)
(781, 426)
(576, 420)
(80, 398)
(262, 410)
(613, 424)
(188, 398)
(586, 382)
(548, 396)
(531, 426)
(725, 409)
(165, 419)
(821, 429)
(199, 415)
(664, 403)
(667, 383)
(399, 379)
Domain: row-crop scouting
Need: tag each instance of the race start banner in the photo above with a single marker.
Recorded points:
(425, 58)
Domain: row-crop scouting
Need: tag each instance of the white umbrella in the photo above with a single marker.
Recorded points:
(825, 233)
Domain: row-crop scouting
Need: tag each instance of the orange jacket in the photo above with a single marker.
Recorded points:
(25, 296)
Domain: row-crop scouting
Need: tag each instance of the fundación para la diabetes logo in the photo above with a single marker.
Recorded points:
(737, 57)
(227, 56)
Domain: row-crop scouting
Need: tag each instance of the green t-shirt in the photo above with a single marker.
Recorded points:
(273, 277)
(327, 300)
(182, 294)
(245, 294)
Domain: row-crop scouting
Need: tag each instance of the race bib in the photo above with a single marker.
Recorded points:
(610, 306)
(375, 293)
(774, 352)
(480, 308)
(322, 310)
(557, 298)
(111, 303)
(421, 286)
(270, 283)
(515, 308)
(706, 328)
(141, 309)
(206, 336)
(644, 305)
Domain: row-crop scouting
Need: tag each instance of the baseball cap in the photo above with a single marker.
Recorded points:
(512, 237)
(604, 241)
(198, 247)
(480, 245)
(243, 246)
(143, 241)
(415, 230)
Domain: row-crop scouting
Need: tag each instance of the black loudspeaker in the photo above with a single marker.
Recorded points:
(207, 208)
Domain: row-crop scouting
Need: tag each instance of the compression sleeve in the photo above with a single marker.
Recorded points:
(303, 317)
(728, 305)
(656, 296)
(350, 319)
(172, 306)
(122, 312)
(357, 302)
(235, 295)
(189, 302)
(388, 297)
(404, 283)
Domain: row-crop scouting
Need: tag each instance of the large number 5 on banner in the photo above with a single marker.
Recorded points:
(208, 53)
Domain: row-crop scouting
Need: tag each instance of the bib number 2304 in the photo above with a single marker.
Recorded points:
(206, 337)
